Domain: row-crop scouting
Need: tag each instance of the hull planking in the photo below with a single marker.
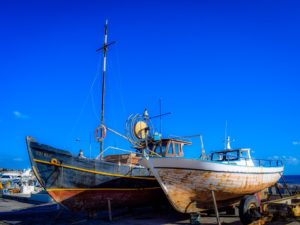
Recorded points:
(82, 184)
(188, 183)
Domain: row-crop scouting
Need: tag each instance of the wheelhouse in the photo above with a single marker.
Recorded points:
(235, 156)
(169, 147)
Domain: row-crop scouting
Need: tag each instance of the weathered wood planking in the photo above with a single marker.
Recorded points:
(189, 190)
(82, 184)
(188, 182)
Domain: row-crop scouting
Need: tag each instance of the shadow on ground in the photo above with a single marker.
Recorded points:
(46, 214)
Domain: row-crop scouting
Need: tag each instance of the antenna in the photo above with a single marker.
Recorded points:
(228, 147)
(225, 135)
(202, 148)
(160, 115)
(164, 114)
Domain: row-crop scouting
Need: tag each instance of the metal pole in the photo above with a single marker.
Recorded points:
(103, 83)
(202, 147)
(278, 190)
(216, 207)
(286, 185)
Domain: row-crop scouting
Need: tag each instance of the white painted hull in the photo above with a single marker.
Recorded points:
(188, 183)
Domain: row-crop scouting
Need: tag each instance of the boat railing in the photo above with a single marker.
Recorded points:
(256, 162)
(267, 162)
(151, 153)
(113, 148)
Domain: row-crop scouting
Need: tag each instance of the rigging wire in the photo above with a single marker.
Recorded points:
(85, 102)
(94, 108)
(119, 79)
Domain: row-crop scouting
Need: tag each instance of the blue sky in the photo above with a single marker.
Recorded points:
(209, 61)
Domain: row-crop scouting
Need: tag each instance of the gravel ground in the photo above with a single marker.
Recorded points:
(15, 212)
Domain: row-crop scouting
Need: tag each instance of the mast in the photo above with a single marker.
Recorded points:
(103, 83)
(104, 48)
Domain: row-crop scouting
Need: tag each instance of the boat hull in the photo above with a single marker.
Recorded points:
(87, 185)
(188, 183)
(93, 199)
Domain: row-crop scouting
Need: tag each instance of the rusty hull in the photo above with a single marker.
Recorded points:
(94, 200)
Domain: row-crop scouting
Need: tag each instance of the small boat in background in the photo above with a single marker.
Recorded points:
(19, 182)
(230, 173)
(12, 176)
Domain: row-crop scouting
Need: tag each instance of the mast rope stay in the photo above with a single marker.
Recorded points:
(85, 102)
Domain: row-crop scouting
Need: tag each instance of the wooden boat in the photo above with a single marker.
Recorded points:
(188, 183)
(83, 184)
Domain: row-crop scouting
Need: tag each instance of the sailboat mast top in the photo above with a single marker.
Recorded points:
(104, 73)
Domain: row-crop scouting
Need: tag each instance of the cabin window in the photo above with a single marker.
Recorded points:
(217, 156)
(244, 155)
(174, 149)
(232, 156)
(180, 150)
(225, 156)
(159, 149)
(170, 149)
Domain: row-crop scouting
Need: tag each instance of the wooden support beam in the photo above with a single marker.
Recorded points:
(216, 207)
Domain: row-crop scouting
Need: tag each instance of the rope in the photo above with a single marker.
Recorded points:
(114, 148)
(85, 102)
(94, 109)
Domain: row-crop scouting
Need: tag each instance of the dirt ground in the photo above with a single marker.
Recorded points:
(15, 212)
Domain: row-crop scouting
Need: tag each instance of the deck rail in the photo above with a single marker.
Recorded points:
(254, 162)
(267, 162)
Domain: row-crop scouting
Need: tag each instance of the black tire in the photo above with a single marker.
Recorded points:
(249, 209)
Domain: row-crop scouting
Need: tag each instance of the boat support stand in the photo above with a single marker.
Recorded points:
(195, 217)
(216, 207)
